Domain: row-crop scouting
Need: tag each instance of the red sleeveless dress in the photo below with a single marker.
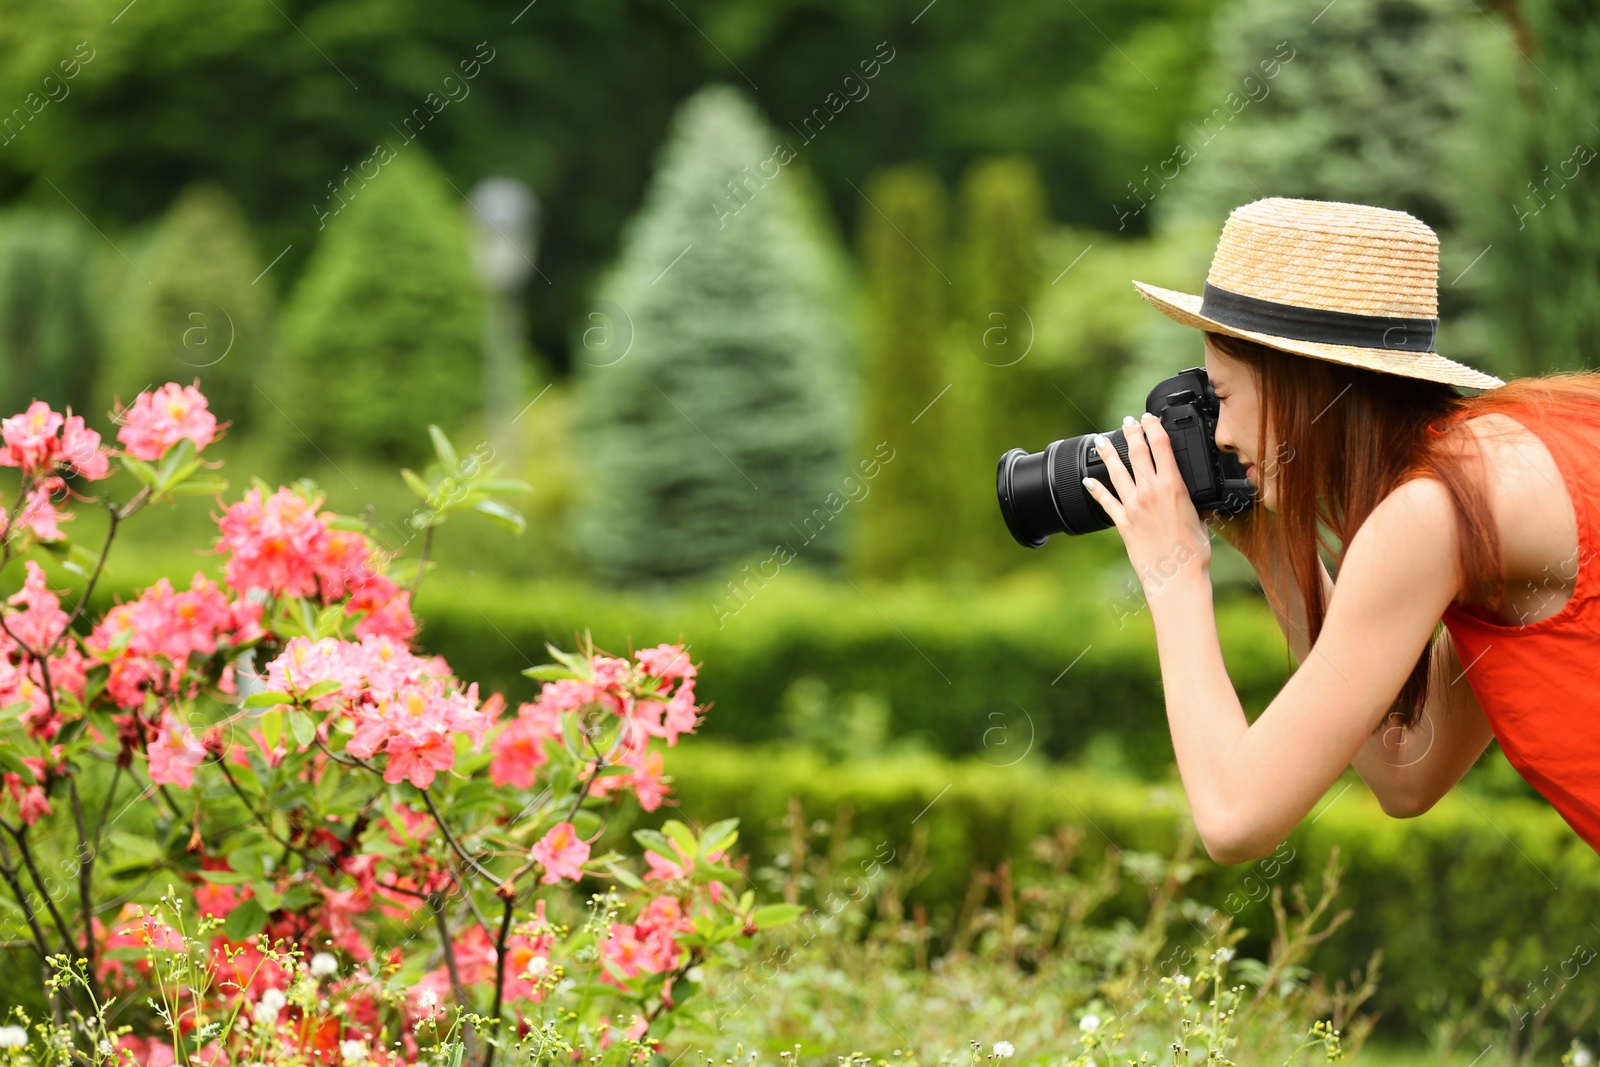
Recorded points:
(1539, 682)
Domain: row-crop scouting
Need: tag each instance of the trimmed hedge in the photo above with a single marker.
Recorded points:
(1024, 664)
(1436, 893)
(1029, 663)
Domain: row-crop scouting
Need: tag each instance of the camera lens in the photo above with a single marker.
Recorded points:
(1042, 493)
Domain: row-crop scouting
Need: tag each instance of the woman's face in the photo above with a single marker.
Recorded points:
(1239, 421)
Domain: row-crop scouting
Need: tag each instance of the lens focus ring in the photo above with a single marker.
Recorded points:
(1078, 512)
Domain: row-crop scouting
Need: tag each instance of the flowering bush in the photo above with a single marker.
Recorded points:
(351, 856)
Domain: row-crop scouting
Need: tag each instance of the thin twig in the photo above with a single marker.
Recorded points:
(476, 867)
(20, 835)
(266, 823)
(86, 859)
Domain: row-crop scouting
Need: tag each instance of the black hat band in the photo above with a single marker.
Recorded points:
(1315, 324)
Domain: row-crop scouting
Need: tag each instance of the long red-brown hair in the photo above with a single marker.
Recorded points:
(1347, 436)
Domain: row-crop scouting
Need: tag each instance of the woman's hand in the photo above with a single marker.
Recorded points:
(1166, 541)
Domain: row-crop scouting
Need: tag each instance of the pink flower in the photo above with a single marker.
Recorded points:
(341, 561)
(419, 761)
(305, 663)
(80, 449)
(30, 439)
(417, 726)
(282, 544)
(159, 420)
(172, 624)
(38, 626)
(31, 802)
(174, 754)
(562, 853)
(526, 962)
(275, 543)
(646, 779)
(387, 608)
(38, 514)
(665, 661)
(519, 752)
(680, 717)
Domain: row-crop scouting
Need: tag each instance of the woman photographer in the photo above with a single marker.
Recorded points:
(1475, 511)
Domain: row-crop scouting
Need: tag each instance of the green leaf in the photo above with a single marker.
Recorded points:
(719, 835)
(267, 700)
(272, 728)
(548, 672)
(654, 841)
(681, 836)
(140, 470)
(417, 485)
(504, 485)
(579, 665)
(447, 453)
(199, 487)
(296, 897)
(510, 518)
(771, 915)
(245, 921)
(323, 688)
(177, 464)
(713, 872)
(225, 877)
(351, 523)
(626, 877)
(301, 726)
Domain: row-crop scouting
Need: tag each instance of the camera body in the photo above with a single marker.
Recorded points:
(1042, 493)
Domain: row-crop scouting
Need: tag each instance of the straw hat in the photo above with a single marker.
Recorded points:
(1346, 283)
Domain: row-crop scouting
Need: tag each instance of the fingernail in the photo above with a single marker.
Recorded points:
(1088, 483)
(1148, 415)
(1129, 420)
(1102, 441)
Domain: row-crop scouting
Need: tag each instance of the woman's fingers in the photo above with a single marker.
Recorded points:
(1144, 468)
(1105, 499)
(1160, 445)
(1121, 480)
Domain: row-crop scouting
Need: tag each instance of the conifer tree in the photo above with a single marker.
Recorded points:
(1012, 401)
(202, 313)
(911, 523)
(49, 331)
(1536, 205)
(383, 333)
(714, 417)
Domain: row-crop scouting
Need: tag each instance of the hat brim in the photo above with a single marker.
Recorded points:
(1429, 366)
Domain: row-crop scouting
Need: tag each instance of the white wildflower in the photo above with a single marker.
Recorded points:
(696, 974)
(1222, 955)
(1182, 980)
(268, 1007)
(13, 1037)
(536, 967)
(353, 1051)
(324, 965)
(1004, 1049)
(1581, 1056)
(427, 998)
(1089, 1023)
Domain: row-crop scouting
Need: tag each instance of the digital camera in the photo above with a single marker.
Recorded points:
(1042, 493)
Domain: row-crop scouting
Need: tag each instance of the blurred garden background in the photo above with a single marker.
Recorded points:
(755, 295)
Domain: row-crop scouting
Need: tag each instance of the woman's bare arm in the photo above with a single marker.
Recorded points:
(1408, 771)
